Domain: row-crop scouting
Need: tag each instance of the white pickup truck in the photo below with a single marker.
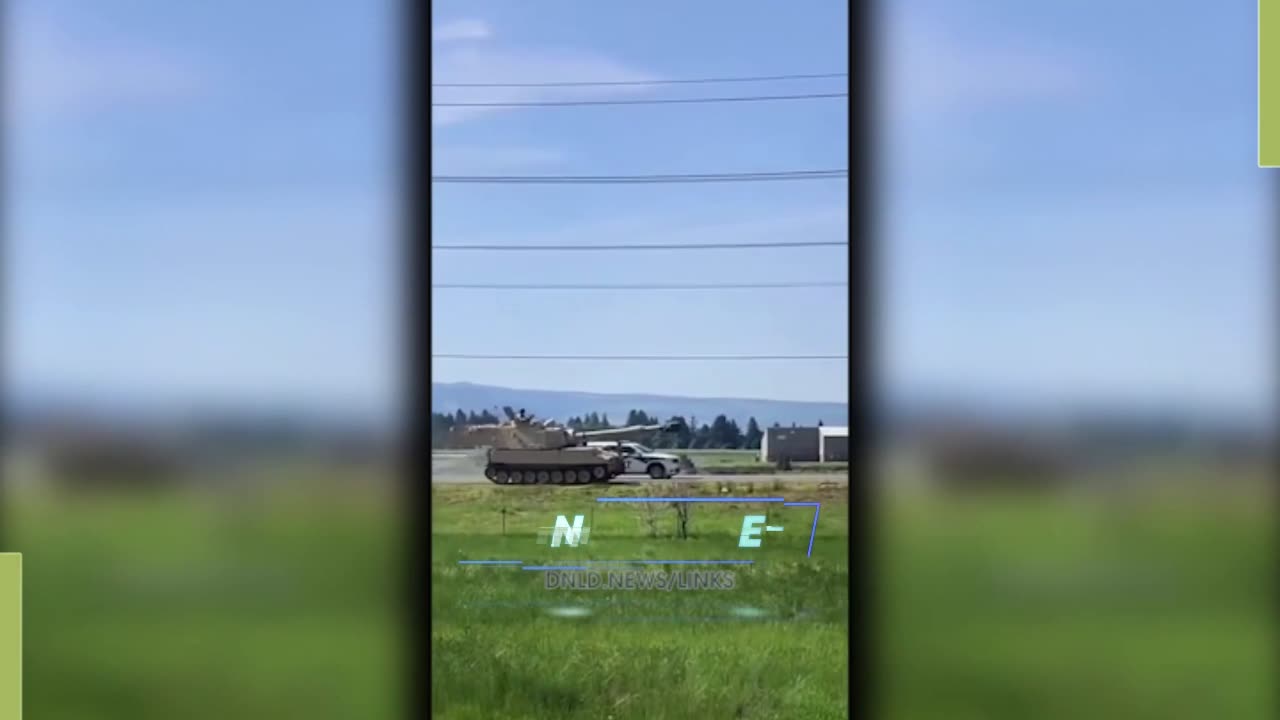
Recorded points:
(641, 460)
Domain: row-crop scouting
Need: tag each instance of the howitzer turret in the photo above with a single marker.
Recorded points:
(527, 451)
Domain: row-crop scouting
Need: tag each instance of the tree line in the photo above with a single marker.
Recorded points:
(722, 433)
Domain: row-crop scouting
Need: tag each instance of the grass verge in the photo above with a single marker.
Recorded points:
(504, 645)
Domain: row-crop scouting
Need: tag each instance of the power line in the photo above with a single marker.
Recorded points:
(626, 83)
(467, 356)
(695, 286)
(649, 101)
(644, 179)
(669, 246)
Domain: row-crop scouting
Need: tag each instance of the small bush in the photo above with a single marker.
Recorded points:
(686, 464)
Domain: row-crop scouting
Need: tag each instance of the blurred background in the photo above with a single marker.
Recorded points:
(200, 357)
(1075, 350)
(1074, 358)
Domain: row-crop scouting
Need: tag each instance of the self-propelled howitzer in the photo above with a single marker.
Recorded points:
(524, 451)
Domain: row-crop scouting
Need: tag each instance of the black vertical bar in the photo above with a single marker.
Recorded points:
(863, 55)
(415, 306)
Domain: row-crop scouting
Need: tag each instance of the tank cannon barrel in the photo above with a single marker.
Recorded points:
(629, 432)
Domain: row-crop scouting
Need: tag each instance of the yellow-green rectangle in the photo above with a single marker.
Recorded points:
(10, 636)
(1269, 83)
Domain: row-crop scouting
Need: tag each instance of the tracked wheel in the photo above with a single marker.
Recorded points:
(557, 477)
(544, 477)
(503, 477)
(517, 477)
(599, 473)
(491, 473)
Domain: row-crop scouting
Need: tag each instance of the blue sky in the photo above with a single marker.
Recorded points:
(527, 42)
(201, 199)
(1074, 211)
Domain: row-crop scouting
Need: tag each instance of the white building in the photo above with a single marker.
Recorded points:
(833, 444)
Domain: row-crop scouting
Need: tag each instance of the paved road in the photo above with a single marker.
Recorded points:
(451, 468)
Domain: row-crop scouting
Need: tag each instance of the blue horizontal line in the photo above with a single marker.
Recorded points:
(553, 567)
(675, 562)
(686, 499)
(806, 504)
(490, 562)
(686, 619)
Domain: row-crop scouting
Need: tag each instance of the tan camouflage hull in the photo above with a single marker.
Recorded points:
(563, 466)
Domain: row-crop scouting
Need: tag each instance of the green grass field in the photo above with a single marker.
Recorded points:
(719, 457)
(1153, 605)
(501, 651)
(747, 462)
(178, 606)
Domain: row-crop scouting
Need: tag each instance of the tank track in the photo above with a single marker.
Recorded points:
(576, 475)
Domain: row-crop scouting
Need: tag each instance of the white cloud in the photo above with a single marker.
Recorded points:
(489, 63)
(465, 29)
(942, 84)
(56, 71)
(930, 68)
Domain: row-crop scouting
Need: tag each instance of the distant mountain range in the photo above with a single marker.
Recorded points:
(561, 405)
(23, 410)
(897, 410)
